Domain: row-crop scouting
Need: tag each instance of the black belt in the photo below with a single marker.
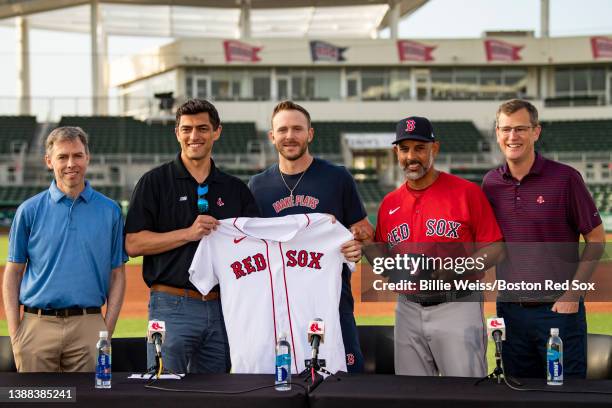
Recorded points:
(437, 299)
(69, 311)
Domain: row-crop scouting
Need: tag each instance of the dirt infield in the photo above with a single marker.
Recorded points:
(137, 298)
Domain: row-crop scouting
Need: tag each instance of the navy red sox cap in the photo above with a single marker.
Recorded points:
(414, 128)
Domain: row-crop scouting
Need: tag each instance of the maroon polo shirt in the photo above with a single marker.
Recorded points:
(541, 218)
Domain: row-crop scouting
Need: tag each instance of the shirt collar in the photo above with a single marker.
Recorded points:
(181, 171)
(536, 167)
(273, 229)
(57, 194)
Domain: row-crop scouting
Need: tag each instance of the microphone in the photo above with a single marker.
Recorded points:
(156, 334)
(496, 329)
(316, 336)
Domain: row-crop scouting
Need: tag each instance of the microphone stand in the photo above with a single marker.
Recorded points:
(158, 368)
(498, 371)
(315, 368)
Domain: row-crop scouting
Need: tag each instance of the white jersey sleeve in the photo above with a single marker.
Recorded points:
(201, 272)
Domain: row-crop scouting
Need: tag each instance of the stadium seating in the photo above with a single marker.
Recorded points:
(371, 191)
(234, 137)
(602, 194)
(576, 136)
(118, 134)
(472, 174)
(243, 174)
(15, 195)
(367, 174)
(459, 136)
(15, 129)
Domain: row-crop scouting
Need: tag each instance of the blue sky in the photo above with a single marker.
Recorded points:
(60, 64)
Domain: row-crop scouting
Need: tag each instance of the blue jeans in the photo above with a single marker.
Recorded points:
(527, 332)
(196, 341)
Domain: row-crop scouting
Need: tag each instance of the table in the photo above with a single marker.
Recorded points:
(131, 393)
(354, 391)
(388, 391)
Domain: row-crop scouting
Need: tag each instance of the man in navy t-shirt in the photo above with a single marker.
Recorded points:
(300, 184)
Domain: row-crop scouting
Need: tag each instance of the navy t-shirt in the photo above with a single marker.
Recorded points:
(324, 188)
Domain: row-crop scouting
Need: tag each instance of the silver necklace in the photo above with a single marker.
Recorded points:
(295, 185)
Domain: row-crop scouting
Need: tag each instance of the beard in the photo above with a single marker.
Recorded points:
(420, 172)
(294, 155)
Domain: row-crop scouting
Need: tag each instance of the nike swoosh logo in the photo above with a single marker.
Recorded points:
(391, 212)
(237, 240)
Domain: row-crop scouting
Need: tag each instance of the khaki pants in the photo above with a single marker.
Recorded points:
(57, 344)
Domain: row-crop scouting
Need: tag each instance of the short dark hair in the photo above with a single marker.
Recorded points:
(515, 105)
(195, 106)
(289, 105)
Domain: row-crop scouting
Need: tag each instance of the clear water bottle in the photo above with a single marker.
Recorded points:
(282, 381)
(103, 361)
(554, 358)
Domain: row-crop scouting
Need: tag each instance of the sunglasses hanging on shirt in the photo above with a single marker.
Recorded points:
(202, 201)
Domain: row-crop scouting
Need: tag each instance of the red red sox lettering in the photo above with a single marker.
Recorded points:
(257, 262)
(398, 234)
(442, 228)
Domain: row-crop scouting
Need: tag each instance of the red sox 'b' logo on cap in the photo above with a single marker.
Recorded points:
(495, 323)
(155, 326)
(315, 328)
(410, 125)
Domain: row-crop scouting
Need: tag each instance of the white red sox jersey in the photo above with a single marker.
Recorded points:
(275, 274)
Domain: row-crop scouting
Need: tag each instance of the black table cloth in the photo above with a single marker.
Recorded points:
(354, 391)
(387, 391)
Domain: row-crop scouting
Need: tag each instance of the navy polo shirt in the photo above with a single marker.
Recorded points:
(165, 199)
(70, 247)
(551, 204)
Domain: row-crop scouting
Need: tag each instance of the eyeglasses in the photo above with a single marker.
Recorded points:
(202, 201)
(518, 130)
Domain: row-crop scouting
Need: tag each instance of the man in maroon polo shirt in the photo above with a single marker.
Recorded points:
(540, 201)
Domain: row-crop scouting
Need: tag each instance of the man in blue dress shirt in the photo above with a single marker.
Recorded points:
(65, 261)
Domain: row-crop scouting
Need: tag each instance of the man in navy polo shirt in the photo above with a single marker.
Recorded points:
(69, 241)
(537, 200)
(301, 183)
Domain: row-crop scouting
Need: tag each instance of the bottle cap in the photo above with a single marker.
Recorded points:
(103, 333)
(554, 331)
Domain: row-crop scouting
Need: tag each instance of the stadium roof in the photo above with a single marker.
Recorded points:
(214, 18)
